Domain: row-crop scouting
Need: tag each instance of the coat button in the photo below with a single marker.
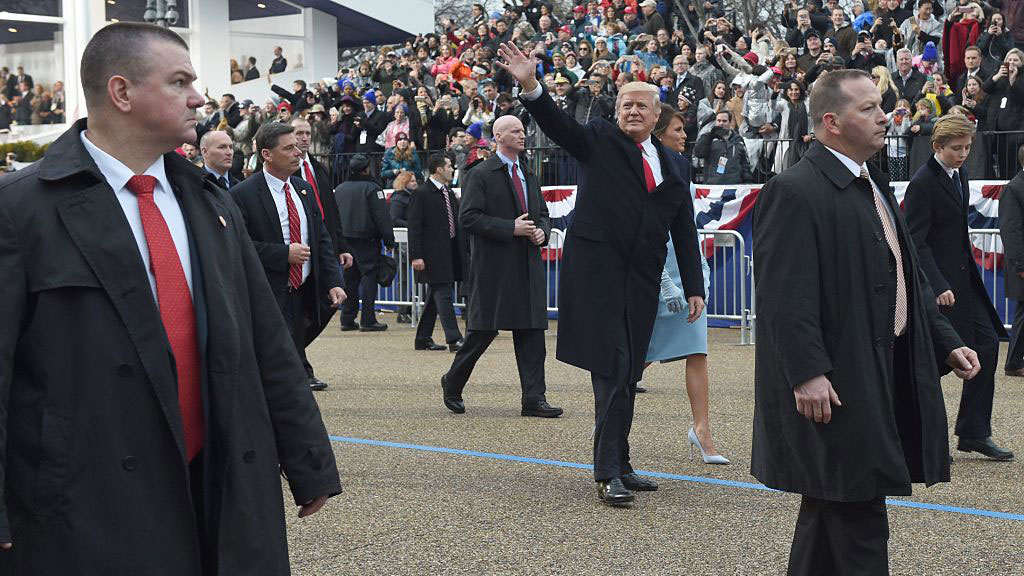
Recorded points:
(878, 237)
(125, 370)
(962, 267)
(128, 463)
(879, 288)
(249, 456)
(879, 342)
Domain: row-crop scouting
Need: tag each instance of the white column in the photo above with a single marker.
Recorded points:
(82, 18)
(210, 46)
(320, 43)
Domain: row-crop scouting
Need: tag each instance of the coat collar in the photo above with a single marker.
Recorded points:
(939, 174)
(837, 172)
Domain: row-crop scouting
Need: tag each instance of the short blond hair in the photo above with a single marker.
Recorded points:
(951, 127)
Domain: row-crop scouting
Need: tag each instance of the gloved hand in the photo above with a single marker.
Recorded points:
(671, 294)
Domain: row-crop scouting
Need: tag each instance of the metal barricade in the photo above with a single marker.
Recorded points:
(731, 279)
(991, 246)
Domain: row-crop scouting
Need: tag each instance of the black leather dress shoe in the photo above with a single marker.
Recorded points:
(349, 327)
(316, 384)
(638, 483)
(542, 410)
(453, 403)
(455, 346)
(985, 447)
(1018, 373)
(378, 327)
(640, 389)
(428, 345)
(614, 493)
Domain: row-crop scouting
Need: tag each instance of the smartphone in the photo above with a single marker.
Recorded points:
(963, 9)
(720, 48)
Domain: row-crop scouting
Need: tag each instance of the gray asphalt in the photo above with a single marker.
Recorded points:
(415, 512)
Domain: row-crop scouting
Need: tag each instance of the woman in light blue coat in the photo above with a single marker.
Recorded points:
(674, 338)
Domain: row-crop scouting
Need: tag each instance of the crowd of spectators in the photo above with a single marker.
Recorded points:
(23, 102)
(743, 91)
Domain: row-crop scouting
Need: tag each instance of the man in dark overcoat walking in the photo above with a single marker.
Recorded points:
(507, 221)
(1011, 230)
(630, 197)
(936, 205)
(150, 397)
(848, 407)
(436, 252)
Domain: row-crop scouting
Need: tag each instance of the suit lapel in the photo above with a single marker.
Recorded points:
(946, 182)
(269, 207)
(635, 159)
(96, 224)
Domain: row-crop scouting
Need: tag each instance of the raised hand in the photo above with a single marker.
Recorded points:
(522, 67)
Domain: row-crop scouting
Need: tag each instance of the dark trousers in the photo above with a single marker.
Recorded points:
(974, 419)
(840, 539)
(614, 398)
(530, 353)
(361, 282)
(295, 317)
(1015, 354)
(438, 304)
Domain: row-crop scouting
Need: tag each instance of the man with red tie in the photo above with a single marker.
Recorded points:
(630, 198)
(148, 403)
(287, 228)
(507, 221)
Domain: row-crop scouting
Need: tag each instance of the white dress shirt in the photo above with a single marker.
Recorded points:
(649, 151)
(853, 167)
(117, 175)
(302, 170)
(277, 193)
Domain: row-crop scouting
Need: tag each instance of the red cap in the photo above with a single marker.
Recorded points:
(284, 104)
(579, 9)
(751, 57)
(565, 29)
(777, 70)
(629, 10)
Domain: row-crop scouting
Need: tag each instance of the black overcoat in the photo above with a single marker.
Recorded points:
(825, 298)
(93, 477)
(937, 217)
(264, 226)
(1011, 230)
(430, 238)
(506, 272)
(616, 246)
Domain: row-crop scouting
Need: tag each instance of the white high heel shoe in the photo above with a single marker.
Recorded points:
(708, 458)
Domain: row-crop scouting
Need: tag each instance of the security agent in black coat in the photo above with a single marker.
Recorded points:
(613, 257)
(506, 273)
(827, 290)
(366, 223)
(267, 222)
(936, 207)
(436, 253)
(1011, 230)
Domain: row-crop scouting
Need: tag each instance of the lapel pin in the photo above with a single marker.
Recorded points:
(223, 222)
(303, 192)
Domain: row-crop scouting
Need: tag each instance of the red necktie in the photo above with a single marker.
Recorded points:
(294, 237)
(312, 182)
(176, 310)
(648, 173)
(518, 185)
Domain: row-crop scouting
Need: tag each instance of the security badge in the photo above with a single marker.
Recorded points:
(380, 194)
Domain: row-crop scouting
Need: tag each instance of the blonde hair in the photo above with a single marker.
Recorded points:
(885, 83)
(951, 127)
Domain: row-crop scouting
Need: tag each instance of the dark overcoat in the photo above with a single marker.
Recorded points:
(1011, 230)
(264, 226)
(507, 275)
(825, 298)
(429, 235)
(93, 477)
(616, 246)
(937, 217)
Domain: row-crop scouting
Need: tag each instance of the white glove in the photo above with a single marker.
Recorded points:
(671, 294)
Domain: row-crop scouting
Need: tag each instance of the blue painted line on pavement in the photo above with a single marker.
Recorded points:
(665, 475)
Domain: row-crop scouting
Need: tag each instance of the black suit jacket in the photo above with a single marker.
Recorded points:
(1011, 230)
(693, 81)
(912, 87)
(261, 219)
(332, 219)
(961, 81)
(86, 355)
(252, 74)
(508, 283)
(429, 235)
(937, 218)
(617, 243)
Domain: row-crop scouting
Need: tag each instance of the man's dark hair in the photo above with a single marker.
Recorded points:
(229, 95)
(455, 131)
(269, 134)
(923, 2)
(436, 161)
(252, 60)
(121, 49)
(827, 93)
(505, 98)
(300, 83)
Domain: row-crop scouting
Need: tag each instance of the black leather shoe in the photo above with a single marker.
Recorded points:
(428, 345)
(614, 493)
(640, 389)
(985, 447)
(1018, 373)
(378, 327)
(453, 403)
(638, 483)
(349, 327)
(316, 384)
(541, 410)
(403, 318)
(455, 346)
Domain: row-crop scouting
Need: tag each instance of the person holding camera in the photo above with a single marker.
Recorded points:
(1005, 91)
(724, 155)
